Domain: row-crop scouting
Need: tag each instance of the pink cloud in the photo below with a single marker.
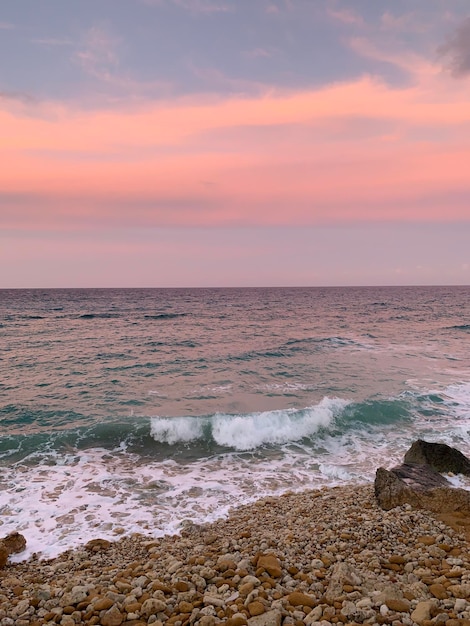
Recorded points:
(347, 16)
(281, 158)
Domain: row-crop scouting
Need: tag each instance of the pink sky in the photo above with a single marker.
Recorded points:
(344, 153)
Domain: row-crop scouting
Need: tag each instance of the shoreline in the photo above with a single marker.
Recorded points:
(329, 556)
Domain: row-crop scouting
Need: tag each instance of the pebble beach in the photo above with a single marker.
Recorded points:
(329, 556)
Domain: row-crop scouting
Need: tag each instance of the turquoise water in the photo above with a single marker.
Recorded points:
(125, 410)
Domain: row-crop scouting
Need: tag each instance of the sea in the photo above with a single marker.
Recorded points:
(142, 410)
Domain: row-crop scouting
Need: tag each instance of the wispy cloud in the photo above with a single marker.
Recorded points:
(6, 26)
(97, 55)
(205, 6)
(409, 23)
(346, 16)
(258, 53)
(279, 6)
(196, 6)
(456, 50)
(52, 42)
(302, 157)
(16, 96)
(408, 61)
(215, 79)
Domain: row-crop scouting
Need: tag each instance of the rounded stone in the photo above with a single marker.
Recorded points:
(438, 591)
(102, 604)
(297, 598)
(256, 608)
(400, 605)
(112, 617)
(152, 606)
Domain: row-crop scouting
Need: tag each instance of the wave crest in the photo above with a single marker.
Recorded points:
(247, 432)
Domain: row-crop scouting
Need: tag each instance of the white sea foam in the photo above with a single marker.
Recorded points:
(274, 427)
(286, 387)
(451, 426)
(101, 495)
(97, 493)
(459, 393)
(177, 429)
(458, 480)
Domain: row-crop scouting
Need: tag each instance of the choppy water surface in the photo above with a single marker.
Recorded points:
(125, 410)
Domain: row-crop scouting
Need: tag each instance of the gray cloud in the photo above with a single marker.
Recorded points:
(17, 96)
(456, 50)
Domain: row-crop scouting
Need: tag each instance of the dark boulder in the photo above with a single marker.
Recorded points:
(439, 456)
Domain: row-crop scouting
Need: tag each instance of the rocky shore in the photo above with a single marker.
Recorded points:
(320, 557)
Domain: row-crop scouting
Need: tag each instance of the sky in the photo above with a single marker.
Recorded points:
(186, 143)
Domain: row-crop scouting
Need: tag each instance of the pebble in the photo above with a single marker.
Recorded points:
(317, 558)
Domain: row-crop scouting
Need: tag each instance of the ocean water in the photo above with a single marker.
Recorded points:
(136, 410)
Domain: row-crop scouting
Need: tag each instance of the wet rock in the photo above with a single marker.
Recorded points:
(4, 554)
(439, 456)
(421, 487)
(96, 545)
(14, 543)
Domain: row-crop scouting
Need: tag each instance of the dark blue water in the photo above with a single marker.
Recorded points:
(186, 402)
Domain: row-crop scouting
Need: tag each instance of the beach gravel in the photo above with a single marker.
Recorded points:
(324, 557)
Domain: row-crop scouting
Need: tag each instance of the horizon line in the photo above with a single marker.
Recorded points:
(359, 286)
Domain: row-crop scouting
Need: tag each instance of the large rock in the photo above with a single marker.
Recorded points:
(421, 487)
(14, 542)
(11, 544)
(420, 477)
(439, 456)
(3, 555)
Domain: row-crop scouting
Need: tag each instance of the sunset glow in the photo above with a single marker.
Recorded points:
(109, 149)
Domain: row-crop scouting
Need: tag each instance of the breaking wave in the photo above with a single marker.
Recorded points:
(250, 431)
